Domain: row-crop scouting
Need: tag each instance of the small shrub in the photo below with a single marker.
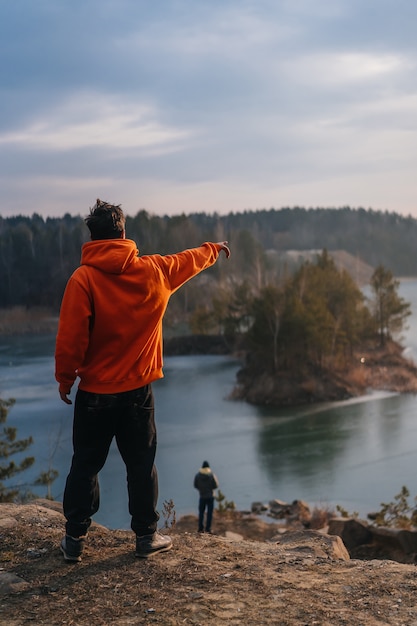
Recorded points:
(10, 445)
(223, 505)
(169, 514)
(46, 479)
(344, 513)
(320, 517)
(399, 513)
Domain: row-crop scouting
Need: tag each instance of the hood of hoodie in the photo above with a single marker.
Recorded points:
(112, 256)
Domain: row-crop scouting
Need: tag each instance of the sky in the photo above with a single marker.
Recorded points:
(180, 106)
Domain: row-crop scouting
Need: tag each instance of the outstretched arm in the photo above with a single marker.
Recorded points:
(180, 267)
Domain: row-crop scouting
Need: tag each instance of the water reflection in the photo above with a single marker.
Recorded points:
(361, 450)
(308, 445)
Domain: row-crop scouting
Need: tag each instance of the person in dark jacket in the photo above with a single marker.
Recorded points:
(205, 481)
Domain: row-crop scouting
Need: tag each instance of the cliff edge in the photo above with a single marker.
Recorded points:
(296, 579)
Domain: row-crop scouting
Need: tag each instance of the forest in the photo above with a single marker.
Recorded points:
(37, 255)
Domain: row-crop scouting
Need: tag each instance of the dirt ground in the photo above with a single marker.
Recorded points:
(205, 579)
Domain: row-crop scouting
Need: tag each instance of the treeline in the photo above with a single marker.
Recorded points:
(376, 237)
(37, 255)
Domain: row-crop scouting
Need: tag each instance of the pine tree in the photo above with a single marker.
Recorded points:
(9, 446)
(390, 310)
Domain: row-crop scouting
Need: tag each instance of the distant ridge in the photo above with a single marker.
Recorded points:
(360, 271)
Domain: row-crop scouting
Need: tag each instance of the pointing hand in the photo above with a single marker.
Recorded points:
(223, 246)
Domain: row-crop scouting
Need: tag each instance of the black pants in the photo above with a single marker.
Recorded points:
(203, 504)
(129, 417)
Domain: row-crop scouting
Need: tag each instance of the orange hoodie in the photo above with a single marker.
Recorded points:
(110, 327)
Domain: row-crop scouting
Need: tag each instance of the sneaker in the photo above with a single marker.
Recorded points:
(72, 547)
(151, 544)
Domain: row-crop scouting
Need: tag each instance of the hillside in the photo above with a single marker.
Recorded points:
(360, 271)
(290, 580)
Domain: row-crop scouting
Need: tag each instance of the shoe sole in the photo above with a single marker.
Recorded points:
(68, 557)
(146, 555)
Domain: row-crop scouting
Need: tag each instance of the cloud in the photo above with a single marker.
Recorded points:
(207, 104)
(94, 120)
(346, 68)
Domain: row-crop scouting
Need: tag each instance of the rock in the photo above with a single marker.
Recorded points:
(258, 507)
(298, 510)
(353, 532)
(316, 543)
(393, 543)
(279, 509)
(7, 522)
(10, 583)
(405, 540)
(233, 536)
(408, 541)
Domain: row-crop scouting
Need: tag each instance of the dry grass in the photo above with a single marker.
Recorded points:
(320, 517)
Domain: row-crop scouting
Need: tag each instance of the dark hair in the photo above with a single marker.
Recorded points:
(106, 221)
(206, 464)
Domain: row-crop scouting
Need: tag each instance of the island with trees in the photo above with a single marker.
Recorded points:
(316, 337)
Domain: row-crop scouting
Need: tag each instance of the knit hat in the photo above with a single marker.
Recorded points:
(206, 464)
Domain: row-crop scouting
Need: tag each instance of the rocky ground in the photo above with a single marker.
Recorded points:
(254, 577)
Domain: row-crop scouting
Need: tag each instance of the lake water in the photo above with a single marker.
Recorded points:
(357, 453)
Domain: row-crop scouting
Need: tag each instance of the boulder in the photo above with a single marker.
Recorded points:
(279, 509)
(365, 541)
(353, 532)
(397, 538)
(314, 543)
(298, 510)
(258, 507)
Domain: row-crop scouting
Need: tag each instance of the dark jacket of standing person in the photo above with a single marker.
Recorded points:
(110, 337)
(205, 481)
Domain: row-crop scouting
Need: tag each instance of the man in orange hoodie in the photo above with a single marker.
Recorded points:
(110, 337)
